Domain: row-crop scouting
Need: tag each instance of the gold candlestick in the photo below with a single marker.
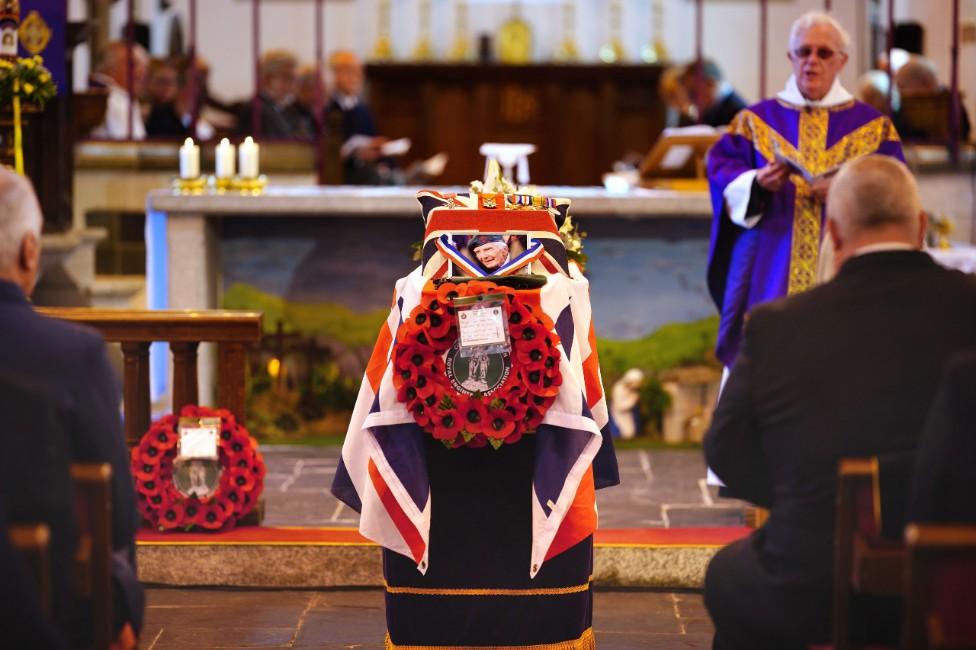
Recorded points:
(656, 51)
(613, 51)
(423, 51)
(461, 49)
(383, 48)
(567, 50)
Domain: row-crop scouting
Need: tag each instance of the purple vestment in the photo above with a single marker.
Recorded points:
(778, 256)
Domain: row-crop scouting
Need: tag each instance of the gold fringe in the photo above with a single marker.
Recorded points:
(586, 642)
(552, 591)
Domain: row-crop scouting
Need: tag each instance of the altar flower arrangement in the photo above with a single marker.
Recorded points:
(241, 478)
(27, 80)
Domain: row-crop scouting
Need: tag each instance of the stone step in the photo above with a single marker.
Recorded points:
(673, 558)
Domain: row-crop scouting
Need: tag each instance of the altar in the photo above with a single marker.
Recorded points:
(331, 254)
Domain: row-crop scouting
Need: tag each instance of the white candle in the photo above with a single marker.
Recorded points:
(248, 158)
(189, 159)
(224, 159)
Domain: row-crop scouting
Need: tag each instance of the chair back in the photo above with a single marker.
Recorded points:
(93, 560)
(865, 562)
(32, 542)
(940, 587)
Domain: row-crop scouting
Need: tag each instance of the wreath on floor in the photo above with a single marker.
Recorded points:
(500, 416)
(241, 478)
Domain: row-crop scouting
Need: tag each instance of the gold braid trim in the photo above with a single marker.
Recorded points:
(586, 642)
(552, 591)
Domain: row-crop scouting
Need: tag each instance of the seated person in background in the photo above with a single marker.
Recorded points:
(278, 117)
(112, 72)
(674, 94)
(362, 158)
(70, 363)
(847, 369)
(872, 89)
(168, 96)
(307, 89)
(944, 482)
(917, 80)
(708, 89)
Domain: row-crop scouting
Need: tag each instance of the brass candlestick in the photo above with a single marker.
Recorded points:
(567, 50)
(461, 49)
(383, 49)
(423, 51)
(656, 51)
(613, 51)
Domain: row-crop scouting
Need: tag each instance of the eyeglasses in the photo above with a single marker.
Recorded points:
(823, 53)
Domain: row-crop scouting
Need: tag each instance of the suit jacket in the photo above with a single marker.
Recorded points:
(721, 112)
(945, 471)
(847, 369)
(70, 363)
(277, 122)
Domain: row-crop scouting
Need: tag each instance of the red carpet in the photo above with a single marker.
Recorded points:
(627, 537)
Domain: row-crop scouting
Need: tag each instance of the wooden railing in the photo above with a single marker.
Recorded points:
(184, 330)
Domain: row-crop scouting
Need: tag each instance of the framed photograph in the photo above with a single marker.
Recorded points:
(490, 251)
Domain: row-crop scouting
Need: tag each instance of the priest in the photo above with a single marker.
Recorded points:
(770, 173)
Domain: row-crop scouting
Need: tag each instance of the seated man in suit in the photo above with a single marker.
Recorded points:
(847, 369)
(70, 363)
(711, 93)
(944, 482)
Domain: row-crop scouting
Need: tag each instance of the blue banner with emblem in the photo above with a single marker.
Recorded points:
(42, 32)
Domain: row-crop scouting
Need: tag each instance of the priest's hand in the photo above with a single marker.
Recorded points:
(820, 187)
(773, 176)
(372, 150)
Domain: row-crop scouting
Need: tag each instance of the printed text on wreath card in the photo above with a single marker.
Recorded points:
(481, 327)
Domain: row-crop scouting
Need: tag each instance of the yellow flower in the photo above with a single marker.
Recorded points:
(29, 88)
(44, 78)
(6, 64)
(28, 63)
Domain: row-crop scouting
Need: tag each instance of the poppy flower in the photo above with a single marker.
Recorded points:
(410, 356)
(242, 479)
(232, 495)
(212, 515)
(149, 487)
(170, 516)
(439, 325)
(532, 355)
(539, 383)
(145, 471)
(407, 394)
(421, 413)
(446, 293)
(425, 384)
(500, 424)
(473, 415)
(146, 509)
(192, 509)
(446, 424)
(532, 419)
(149, 453)
(163, 437)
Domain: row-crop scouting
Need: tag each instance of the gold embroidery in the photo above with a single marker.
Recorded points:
(812, 151)
(586, 642)
(553, 591)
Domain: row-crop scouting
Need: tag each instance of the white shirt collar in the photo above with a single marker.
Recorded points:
(882, 247)
(835, 96)
(346, 102)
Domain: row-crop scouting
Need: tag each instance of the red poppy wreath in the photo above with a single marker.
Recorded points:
(471, 401)
(237, 484)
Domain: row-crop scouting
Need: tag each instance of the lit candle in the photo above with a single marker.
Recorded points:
(189, 159)
(224, 159)
(248, 158)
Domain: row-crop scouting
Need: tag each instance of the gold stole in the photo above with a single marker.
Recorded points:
(812, 151)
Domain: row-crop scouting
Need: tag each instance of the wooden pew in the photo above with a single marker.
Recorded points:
(864, 562)
(940, 587)
(184, 330)
(93, 557)
(32, 541)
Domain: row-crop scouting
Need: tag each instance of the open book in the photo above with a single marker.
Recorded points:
(798, 168)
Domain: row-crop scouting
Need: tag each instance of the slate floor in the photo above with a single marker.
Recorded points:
(658, 489)
(354, 619)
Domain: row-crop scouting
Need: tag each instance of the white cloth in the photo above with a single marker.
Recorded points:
(836, 96)
(117, 107)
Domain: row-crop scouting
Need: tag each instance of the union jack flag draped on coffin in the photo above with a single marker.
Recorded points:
(383, 472)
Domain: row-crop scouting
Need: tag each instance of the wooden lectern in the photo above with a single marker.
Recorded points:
(677, 159)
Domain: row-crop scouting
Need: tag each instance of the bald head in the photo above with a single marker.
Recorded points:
(873, 200)
(20, 230)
